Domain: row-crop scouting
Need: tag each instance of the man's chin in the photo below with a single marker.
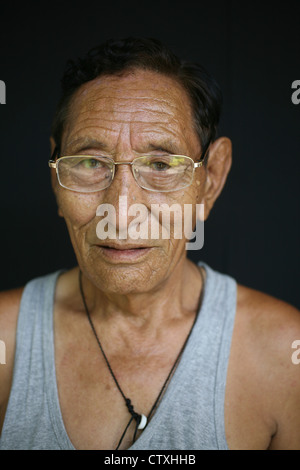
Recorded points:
(125, 273)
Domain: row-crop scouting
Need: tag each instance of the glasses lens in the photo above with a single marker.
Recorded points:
(163, 173)
(85, 173)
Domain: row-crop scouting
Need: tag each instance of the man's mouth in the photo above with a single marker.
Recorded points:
(123, 252)
(123, 247)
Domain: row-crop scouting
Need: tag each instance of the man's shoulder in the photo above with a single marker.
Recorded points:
(10, 299)
(268, 324)
(9, 309)
(266, 332)
(265, 313)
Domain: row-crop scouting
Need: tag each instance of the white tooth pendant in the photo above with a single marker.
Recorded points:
(143, 422)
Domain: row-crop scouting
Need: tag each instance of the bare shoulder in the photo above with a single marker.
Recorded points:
(9, 309)
(267, 319)
(264, 367)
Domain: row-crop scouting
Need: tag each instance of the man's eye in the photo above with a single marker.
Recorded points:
(90, 163)
(160, 166)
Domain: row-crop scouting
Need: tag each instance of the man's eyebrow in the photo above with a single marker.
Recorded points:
(84, 143)
(166, 146)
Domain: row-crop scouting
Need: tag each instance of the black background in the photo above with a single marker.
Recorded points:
(252, 49)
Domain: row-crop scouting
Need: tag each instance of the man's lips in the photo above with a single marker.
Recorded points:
(123, 247)
(123, 253)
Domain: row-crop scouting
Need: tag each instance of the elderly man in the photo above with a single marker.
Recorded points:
(138, 347)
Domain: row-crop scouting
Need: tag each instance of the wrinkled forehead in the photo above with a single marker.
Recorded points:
(145, 99)
(144, 85)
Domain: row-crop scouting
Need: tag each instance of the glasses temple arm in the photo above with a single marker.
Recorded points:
(54, 154)
(205, 152)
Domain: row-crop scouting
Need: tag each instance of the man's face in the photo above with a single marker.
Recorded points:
(124, 117)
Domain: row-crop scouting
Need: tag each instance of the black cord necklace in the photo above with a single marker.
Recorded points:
(141, 420)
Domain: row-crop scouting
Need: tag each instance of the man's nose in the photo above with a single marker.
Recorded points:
(122, 193)
(124, 183)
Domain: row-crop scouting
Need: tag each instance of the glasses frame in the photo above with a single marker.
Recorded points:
(52, 163)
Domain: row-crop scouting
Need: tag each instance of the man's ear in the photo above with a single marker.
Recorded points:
(217, 169)
(54, 182)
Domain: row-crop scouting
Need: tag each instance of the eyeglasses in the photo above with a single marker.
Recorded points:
(89, 174)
